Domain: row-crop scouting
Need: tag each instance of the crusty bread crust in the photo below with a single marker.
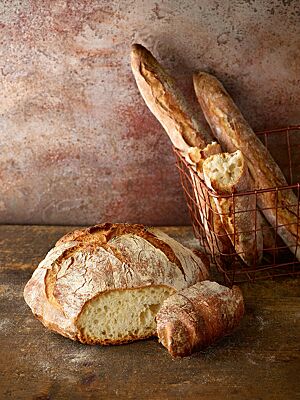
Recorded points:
(238, 214)
(165, 101)
(103, 233)
(89, 262)
(233, 132)
(197, 316)
(217, 238)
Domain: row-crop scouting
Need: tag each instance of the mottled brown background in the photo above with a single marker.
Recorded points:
(78, 145)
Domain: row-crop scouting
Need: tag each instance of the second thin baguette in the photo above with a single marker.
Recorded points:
(232, 131)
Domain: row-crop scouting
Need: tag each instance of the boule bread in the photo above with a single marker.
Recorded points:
(227, 175)
(105, 284)
(196, 317)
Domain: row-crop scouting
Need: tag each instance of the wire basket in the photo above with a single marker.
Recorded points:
(277, 259)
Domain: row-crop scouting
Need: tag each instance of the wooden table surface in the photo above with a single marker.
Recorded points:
(261, 360)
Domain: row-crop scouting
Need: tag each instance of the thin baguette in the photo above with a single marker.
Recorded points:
(165, 101)
(227, 174)
(233, 132)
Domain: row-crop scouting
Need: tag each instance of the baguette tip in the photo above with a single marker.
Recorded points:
(135, 54)
(137, 48)
(201, 74)
(139, 54)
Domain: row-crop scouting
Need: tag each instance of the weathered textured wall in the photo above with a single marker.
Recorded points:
(78, 145)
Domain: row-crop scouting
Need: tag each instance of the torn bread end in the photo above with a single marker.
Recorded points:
(198, 156)
(224, 170)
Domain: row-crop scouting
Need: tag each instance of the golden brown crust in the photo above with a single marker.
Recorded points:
(51, 274)
(233, 132)
(109, 342)
(197, 316)
(103, 233)
(197, 156)
(166, 102)
(218, 241)
(216, 236)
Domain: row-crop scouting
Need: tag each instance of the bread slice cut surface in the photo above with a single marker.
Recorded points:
(122, 315)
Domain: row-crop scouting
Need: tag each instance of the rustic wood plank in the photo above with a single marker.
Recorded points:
(260, 360)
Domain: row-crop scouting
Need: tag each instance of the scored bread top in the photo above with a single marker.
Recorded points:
(106, 257)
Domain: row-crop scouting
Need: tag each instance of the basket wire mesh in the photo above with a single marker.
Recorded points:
(278, 259)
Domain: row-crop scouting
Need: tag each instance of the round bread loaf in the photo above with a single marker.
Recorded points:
(105, 284)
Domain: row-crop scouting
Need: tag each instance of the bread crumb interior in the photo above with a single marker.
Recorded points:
(122, 314)
(225, 167)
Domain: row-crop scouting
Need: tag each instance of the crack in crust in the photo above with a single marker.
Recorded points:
(53, 272)
(103, 233)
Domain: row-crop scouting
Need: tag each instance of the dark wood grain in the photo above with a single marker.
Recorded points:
(261, 360)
